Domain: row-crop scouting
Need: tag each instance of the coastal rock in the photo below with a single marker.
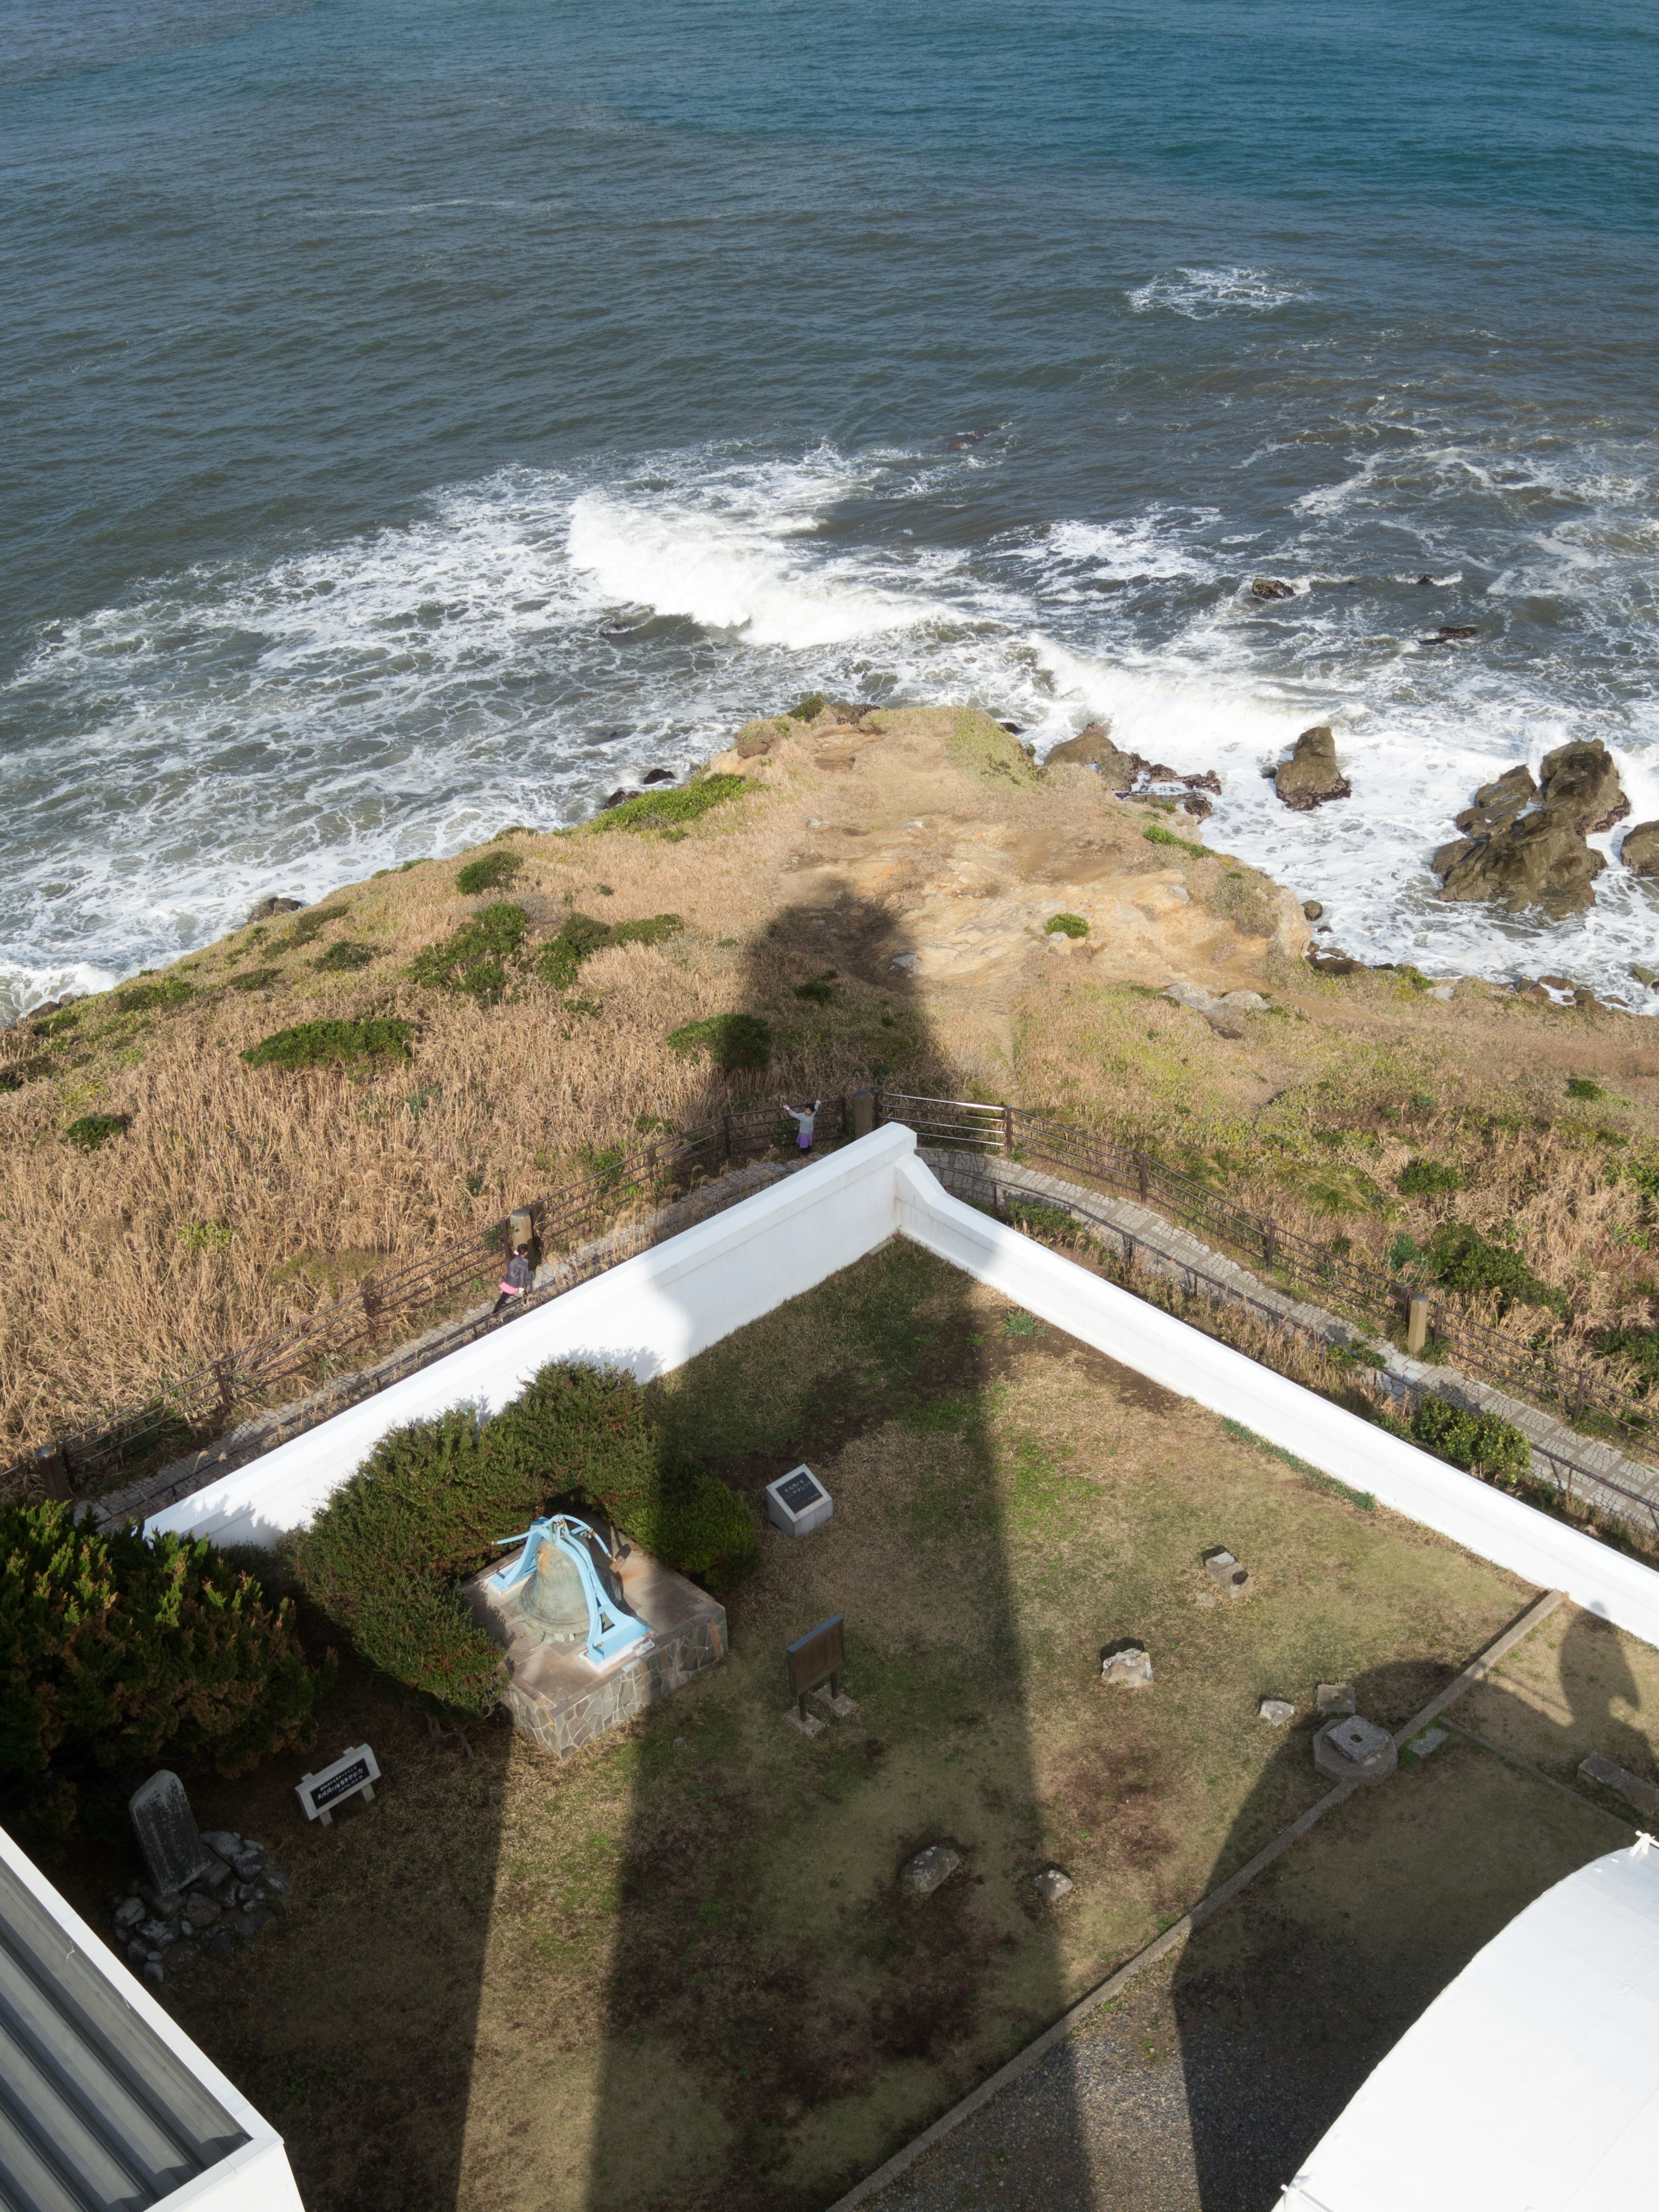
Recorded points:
(1132, 775)
(268, 908)
(1271, 588)
(929, 1869)
(1313, 909)
(657, 776)
(1498, 804)
(1311, 777)
(1540, 860)
(1581, 782)
(1641, 851)
(1092, 748)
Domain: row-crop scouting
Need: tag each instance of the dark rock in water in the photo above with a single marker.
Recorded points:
(1130, 775)
(622, 798)
(1334, 963)
(1581, 782)
(1014, 729)
(1092, 748)
(1311, 776)
(1197, 805)
(1312, 910)
(1498, 803)
(1271, 588)
(1426, 580)
(1446, 857)
(657, 775)
(267, 908)
(1540, 860)
(1640, 851)
(1648, 975)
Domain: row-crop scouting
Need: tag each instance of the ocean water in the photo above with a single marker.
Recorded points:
(419, 418)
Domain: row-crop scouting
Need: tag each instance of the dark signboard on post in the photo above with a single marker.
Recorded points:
(818, 1657)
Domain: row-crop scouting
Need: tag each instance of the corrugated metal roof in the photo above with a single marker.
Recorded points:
(96, 2113)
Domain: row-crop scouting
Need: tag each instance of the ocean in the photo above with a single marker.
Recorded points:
(419, 418)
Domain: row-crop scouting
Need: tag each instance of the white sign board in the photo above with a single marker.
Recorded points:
(798, 1502)
(353, 1774)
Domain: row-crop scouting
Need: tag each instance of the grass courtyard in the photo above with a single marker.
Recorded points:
(677, 1970)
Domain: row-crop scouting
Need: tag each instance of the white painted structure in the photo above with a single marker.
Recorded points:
(105, 2101)
(1531, 2084)
(656, 1312)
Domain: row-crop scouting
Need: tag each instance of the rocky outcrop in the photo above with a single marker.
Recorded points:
(1311, 777)
(1519, 854)
(1131, 775)
(1640, 852)
(1271, 588)
(269, 908)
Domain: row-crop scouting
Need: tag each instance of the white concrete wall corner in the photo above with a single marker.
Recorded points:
(650, 1315)
(1541, 1550)
(256, 2177)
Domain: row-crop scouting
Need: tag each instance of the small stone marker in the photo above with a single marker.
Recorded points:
(1051, 1884)
(1334, 1698)
(1277, 1710)
(1224, 1571)
(353, 1773)
(1619, 1779)
(798, 1502)
(1355, 1750)
(923, 1876)
(818, 1656)
(1430, 1740)
(174, 1853)
(1129, 1665)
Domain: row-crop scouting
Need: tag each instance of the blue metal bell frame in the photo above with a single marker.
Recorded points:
(610, 1631)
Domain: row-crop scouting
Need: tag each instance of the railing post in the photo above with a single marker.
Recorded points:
(725, 1138)
(1143, 1175)
(51, 1462)
(1008, 1132)
(1417, 1327)
(1269, 1246)
(864, 1112)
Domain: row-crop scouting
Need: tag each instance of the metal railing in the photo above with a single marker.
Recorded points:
(303, 1360)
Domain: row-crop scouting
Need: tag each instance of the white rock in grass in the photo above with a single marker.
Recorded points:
(924, 1874)
(1276, 1709)
(1051, 1884)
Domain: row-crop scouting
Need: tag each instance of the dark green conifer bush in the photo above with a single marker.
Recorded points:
(131, 1650)
(474, 957)
(490, 871)
(93, 1130)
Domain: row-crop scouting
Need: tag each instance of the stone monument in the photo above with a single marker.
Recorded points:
(174, 1854)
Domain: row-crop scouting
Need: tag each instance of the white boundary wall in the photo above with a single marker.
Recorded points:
(661, 1309)
(256, 2177)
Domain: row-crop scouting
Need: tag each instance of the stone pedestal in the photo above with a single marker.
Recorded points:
(561, 1701)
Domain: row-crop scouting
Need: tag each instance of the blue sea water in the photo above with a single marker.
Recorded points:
(418, 417)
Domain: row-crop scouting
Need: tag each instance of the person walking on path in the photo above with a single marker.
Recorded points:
(514, 1283)
(804, 1117)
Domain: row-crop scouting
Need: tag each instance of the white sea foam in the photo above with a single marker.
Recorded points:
(521, 644)
(1201, 292)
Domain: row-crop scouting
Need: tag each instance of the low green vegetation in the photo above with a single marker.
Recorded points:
(345, 958)
(808, 707)
(579, 936)
(145, 998)
(819, 990)
(322, 1044)
(385, 1558)
(1458, 1256)
(92, 1130)
(668, 812)
(1245, 898)
(474, 957)
(1156, 834)
(1481, 1442)
(1639, 1346)
(124, 1650)
(1584, 1086)
(1428, 1179)
(257, 978)
(490, 871)
(1066, 925)
(733, 1042)
(307, 929)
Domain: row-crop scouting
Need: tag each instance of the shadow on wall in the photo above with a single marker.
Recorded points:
(780, 2013)
(1285, 2002)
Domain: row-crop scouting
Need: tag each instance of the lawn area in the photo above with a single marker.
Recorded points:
(677, 1970)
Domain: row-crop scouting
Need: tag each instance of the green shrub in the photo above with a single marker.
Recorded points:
(1428, 1178)
(732, 1041)
(319, 1044)
(342, 959)
(668, 812)
(650, 929)
(1480, 1442)
(1156, 834)
(127, 1650)
(1066, 925)
(1584, 1086)
(579, 936)
(807, 708)
(820, 991)
(474, 958)
(95, 1129)
(257, 978)
(140, 998)
(307, 928)
(1403, 1250)
(1463, 1259)
(490, 871)
(1639, 1345)
(385, 1556)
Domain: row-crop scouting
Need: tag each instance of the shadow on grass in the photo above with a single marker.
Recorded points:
(1287, 2000)
(780, 2013)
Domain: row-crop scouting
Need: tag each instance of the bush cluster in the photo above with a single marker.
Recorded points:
(490, 871)
(1156, 834)
(319, 1044)
(92, 1130)
(385, 1557)
(1423, 1178)
(474, 957)
(579, 936)
(126, 1650)
(1463, 1259)
(668, 812)
(1480, 1442)
(344, 959)
(733, 1042)
(140, 998)
(257, 978)
(1066, 925)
